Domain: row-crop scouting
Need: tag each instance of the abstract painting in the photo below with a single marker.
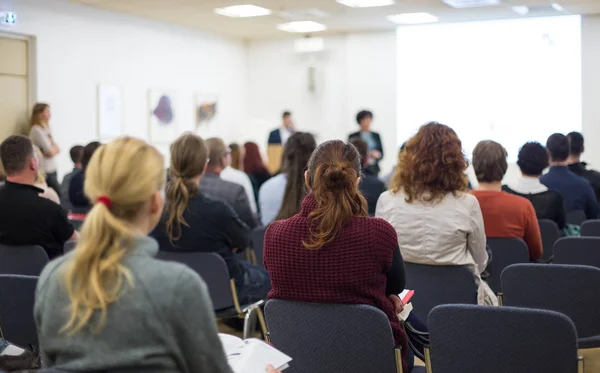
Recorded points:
(206, 108)
(163, 116)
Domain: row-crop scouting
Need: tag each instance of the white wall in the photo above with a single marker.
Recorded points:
(78, 48)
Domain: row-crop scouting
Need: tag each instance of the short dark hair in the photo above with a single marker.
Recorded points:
(362, 115)
(489, 161)
(575, 143)
(532, 158)
(558, 147)
(76, 153)
(15, 152)
(362, 147)
(216, 151)
(88, 152)
(286, 114)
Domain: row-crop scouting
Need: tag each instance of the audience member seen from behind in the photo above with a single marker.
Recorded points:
(255, 167)
(437, 221)
(213, 186)
(235, 175)
(281, 196)
(577, 192)
(111, 305)
(548, 204)
(195, 222)
(28, 219)
(41, 136)
(237, 156)
(364, 120)
(370, 186)
(332, 252)
(40, 181)
(77, 196)
(76, 154)
(504, 214)
(578, 167)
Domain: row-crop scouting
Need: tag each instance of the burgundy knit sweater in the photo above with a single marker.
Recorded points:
(352, 269)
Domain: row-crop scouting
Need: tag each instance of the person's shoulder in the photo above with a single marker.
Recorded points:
(382, 230)
(52, 269)
(354, 134)
(165, 277)
(204, 203)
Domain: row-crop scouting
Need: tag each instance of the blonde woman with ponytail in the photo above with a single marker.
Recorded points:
(110, 306)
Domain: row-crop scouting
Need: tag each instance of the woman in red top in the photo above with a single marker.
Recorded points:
(332, 252)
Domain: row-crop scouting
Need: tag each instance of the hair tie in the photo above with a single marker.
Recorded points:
(105, 201)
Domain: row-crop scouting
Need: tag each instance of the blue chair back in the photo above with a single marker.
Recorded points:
(258, 242)
(500, 340)
(17, 295)
(505, 251)
(435, 285)
(213, 270)
(550, 234)
(69, 246)
(578, 250)
(569, 289)
(591, 228)
(576, 217)
(326, 338)
(22, 260)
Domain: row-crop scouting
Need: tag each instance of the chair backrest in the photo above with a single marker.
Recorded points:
(435, 285)
(500, 340)
(590, 228)
(69, 246)
(578, 250)
(17, 295)
(576, 217)
(325, 338)
(258, 241)
(213, 270)
(569, 289)
(22, 260)
(550, 234)
(505, 251)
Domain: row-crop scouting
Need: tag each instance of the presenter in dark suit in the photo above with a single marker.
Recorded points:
(277, 139)
(364, 119)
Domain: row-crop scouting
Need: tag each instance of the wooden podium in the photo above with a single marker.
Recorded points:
(274, 155)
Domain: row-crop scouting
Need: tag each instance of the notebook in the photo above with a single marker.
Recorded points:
(252, 355)
(406, 296)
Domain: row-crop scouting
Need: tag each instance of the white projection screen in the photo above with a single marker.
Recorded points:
(511, 81)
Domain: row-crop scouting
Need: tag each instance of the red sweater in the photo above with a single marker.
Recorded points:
(352, 269)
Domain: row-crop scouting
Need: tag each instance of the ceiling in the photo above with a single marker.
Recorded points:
(339, 19)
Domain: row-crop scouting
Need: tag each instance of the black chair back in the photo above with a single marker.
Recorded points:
(591, 228)
(435, 285)
(576, 217)
(569, 289)
(505, 251)
(17, 295)
(578, 250)
(501, 340)
(258, 241)
(550, 234)
(213, 270)
(327, 338)
(22, 260)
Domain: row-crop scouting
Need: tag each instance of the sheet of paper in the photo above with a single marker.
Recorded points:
(252, 355)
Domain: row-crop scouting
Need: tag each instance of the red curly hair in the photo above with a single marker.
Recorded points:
(431, 165)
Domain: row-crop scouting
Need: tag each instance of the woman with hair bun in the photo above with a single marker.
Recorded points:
(332, 252)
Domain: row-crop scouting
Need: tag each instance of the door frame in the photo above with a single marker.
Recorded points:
(31, 64)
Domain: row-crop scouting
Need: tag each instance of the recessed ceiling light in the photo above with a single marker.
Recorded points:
(243, 11)
(365, 3)
(521, 9)
(470, 3)
(302, 26)
(413, 18)
(558, 7)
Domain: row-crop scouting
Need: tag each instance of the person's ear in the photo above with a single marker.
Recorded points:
(306, 179)
(157, 202)
(34, 164)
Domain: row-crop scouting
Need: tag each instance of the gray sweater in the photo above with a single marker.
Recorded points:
(165, 323)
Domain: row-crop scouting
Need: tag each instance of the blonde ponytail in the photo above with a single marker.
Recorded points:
(127, 173)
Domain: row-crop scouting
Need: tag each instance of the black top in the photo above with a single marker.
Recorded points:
(213, 227)
(28, 219)
(378, 146)
(547, 205)
(76, 195)
(592, 176)
(371, 188)
(396, 277)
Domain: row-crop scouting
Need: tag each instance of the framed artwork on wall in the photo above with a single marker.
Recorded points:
(205, 105)
(110, 112)
(163, 116)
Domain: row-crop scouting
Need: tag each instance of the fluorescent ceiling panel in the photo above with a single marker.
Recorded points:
(413, 18)
(243, 11)
(302, 26)
(365, 3)
(470, 3)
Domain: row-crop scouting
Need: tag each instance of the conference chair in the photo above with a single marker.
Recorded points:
(578, 250)
(258, 241)
(223, 293)
(325, 338)
(17, 294)
(435, 285)
(569, 289)
(550, 234)
(505, 251)
(590, 228)
(476, 339)
(69, 246)
(22, 260)
(576, 217)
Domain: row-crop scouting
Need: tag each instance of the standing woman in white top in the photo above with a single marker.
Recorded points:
(41, 136)
(437, 221)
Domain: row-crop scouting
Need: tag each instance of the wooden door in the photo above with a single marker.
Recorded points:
(14, 87)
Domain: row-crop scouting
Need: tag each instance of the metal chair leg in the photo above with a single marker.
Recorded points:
(261, 320)
(249, 323)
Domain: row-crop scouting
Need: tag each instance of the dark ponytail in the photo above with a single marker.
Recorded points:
(333, 170)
